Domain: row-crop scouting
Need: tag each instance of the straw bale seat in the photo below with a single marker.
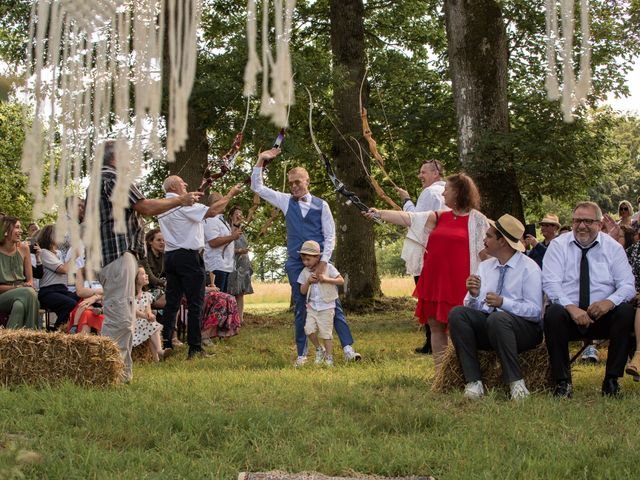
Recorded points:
(143, 353)
(534, 364)
(35, 358)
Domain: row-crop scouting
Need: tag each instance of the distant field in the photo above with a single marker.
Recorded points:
(279, 292)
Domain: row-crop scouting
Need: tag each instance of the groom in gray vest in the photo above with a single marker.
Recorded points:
(307, 218)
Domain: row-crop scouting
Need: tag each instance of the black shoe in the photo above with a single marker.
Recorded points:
(425, 349)
(611, 388)
(563, 389)
(198, 353)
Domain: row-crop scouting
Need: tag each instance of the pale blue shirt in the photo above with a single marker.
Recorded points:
(521, 292)
(281, 201)
(610, 275)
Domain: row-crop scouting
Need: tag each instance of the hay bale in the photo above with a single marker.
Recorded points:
(143, 353)
(534, 363)
(278, 475)
(34, 358)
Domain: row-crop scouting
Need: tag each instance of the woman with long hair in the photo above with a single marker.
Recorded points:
(625, 211)
(239, 282)
(153, 265)
(454, 241)
(17, 296)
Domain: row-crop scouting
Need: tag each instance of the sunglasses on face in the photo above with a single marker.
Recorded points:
(623, 209)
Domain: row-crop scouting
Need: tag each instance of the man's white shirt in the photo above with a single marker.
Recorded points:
(219, 258)
(182, 226)
(430, 199)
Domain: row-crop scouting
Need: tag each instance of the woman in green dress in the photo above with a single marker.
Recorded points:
(17, 296)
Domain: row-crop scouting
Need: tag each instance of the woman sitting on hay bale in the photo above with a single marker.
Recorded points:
(146, 326)
(17, 296)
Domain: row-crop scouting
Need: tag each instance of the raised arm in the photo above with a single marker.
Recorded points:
(220, 205)
(158, 206)
(277, 199)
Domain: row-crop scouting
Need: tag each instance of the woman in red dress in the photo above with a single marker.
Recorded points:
(454, 242)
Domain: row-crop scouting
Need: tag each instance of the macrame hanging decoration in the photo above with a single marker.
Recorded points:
(277, 78)
(96, 73)
(574, 91)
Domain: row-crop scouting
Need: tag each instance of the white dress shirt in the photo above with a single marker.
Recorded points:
(610, 274)
(521, 291)
(182, 226)
(219, 258)
(281, 201)
(430, 199)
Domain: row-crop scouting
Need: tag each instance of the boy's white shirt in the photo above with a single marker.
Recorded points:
(321, 296)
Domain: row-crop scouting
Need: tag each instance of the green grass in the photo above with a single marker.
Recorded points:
(248, 409)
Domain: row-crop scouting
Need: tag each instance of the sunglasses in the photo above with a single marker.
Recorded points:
(623, 209)
(435, 165)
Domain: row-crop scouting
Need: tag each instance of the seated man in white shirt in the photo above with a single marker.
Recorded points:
(589, 281)
(502, 309)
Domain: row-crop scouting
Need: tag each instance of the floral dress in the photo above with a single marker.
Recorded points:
(220, 314)
(144, 328)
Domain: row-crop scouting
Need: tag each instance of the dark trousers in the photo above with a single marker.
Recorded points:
(560, 329)
(184, 271)
(220, 280)
(58, 299)
(472, 330)
(300, 313)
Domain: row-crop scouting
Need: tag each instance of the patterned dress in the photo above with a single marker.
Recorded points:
(220, 314)
(144, 328)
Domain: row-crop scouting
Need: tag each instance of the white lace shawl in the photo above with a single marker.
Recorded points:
(418, 237)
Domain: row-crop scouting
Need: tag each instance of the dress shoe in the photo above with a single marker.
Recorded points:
(197, 354)
(611, 388)
(563, 389)
(425, 349)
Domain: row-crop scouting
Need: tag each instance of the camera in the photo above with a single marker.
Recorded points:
(32, 245)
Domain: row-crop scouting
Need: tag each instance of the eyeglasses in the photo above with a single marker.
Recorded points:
(436, 165)
(587, 221)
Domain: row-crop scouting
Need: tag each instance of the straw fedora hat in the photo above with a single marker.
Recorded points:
(310, 247)
(511, 229)
(551, 218)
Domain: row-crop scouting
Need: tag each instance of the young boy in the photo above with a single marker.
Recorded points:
(321, 291)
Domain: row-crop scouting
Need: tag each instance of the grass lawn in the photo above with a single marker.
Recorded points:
(248, 409)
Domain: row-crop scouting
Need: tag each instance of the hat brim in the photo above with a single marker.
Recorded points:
(548, 220)
(303, 252)
(515, 245)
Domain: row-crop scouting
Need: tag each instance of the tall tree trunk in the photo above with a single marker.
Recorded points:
(192, 160)
(478, 57)
(355, 253)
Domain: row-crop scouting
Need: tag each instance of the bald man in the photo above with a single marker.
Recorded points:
(183, 233)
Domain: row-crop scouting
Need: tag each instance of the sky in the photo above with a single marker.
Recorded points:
(630, 104)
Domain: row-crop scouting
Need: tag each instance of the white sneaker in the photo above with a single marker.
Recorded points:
(329, 361)
(519, 390)
(319, 355)
(300, 361)
(350, 355)
(591, 354)
(474, 390)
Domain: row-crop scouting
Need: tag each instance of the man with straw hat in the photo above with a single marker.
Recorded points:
(502, 309)
(549, 227)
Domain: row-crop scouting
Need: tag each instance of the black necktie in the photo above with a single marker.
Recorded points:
(585, 285)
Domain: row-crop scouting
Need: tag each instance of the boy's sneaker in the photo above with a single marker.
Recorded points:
(329, 361)
(591, 355)
(300, 361)
(350, 355)
(319, 355)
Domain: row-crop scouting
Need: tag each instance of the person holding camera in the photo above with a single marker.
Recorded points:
(549, 227)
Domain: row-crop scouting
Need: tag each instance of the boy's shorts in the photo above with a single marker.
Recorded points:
(321, 322)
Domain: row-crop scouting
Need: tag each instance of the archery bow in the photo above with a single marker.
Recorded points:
(227, 161)
(373, 147)
(339, 187)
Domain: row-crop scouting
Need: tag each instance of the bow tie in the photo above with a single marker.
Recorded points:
(301, 199)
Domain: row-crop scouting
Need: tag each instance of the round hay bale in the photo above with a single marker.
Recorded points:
(143, 353)
(33, 358)
(534, 364)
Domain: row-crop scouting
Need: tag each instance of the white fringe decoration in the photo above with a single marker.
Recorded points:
(574, 92)
(276, 100)
(87, 59)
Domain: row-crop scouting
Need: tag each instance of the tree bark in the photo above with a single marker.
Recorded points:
(192, 160)
(355, 253)
(478, 62)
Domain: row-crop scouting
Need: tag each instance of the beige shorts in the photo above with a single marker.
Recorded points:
(321, 322)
